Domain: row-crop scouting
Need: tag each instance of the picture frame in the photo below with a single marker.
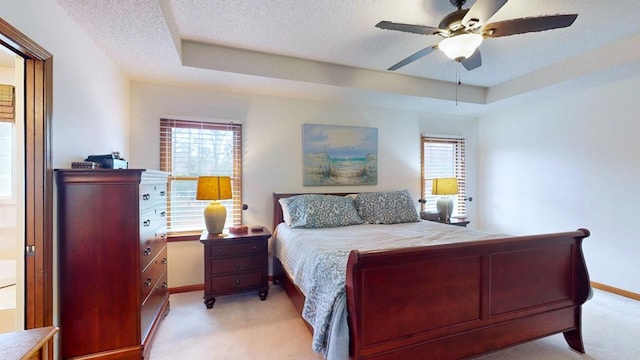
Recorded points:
(336, 155)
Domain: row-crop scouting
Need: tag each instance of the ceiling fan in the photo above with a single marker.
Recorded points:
(464, 29)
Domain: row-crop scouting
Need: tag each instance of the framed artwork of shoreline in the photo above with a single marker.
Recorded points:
(339, 155)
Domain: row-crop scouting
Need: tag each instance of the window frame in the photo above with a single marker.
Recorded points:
(457, 170)
(234, 205)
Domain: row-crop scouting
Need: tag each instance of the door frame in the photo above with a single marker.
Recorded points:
(38, 78)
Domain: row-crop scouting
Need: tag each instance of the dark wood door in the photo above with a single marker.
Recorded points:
(38, 175)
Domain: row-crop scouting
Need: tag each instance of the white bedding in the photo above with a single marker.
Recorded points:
(316, 259)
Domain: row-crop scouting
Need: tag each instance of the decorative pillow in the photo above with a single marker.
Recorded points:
(391, 207)
(321, 211)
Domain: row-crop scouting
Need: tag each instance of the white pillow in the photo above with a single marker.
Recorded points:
(286, 214)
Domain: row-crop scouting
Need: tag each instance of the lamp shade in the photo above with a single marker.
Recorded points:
(445, 186)
(461, 46)
(214, 188)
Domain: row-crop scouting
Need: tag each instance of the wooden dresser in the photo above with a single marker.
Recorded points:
(112, 231)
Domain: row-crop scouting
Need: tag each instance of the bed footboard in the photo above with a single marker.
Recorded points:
(458, 300)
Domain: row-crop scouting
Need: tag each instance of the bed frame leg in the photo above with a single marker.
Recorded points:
(574, 339)
(277, 271)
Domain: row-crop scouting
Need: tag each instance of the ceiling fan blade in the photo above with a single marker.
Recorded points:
(473, 61)
(528, 24)
(481, 12)
(414, 57)
(416, 29)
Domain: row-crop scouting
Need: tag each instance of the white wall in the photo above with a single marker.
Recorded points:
(272, 144)
(90, 92)
(90, 110)
(565, 163)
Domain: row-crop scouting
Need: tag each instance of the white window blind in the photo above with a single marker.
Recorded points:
(7, 103)
(189, 149)
(443, 158)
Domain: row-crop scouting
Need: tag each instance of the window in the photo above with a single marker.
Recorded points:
(6, 160)
(192, 148)
(443, 157)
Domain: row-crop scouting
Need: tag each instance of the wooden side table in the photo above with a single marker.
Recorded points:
(452, 221)
(235, 263)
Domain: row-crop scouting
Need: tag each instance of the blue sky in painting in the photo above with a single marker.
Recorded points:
(340, 141)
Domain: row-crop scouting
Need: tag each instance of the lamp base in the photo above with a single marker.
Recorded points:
(215, 215)
(445, 208)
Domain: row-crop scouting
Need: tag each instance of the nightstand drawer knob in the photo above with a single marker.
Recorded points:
(237, 282)
(147, 251)
(148, 282)
(219, 250)
(237, 265)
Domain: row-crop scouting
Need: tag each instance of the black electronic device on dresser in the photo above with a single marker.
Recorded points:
(235, 263)
(112, 232)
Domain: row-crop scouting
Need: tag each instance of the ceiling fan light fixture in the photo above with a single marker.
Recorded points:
(460, 47)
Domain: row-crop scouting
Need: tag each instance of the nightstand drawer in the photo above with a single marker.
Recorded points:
(231, 265)
(236, 282)
(243, 248)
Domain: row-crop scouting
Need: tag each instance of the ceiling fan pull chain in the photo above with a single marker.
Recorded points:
(457, 80)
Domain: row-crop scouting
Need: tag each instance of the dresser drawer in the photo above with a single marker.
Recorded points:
(153, 217)
(151, 244)
(153, 304)
(230, 265)
(152, 195)
(241, 248)
(232, 283)
(153, 272)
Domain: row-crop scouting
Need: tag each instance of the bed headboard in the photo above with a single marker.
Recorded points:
(277, 209)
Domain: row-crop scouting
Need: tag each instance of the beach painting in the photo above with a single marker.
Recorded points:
(339, 155)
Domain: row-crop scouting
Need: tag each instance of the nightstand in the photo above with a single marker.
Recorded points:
(454, 222)
(235, 263)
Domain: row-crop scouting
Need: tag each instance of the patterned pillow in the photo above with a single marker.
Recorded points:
(391, 207)
(322, 211)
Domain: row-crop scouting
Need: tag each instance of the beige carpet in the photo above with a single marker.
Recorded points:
(243, 327)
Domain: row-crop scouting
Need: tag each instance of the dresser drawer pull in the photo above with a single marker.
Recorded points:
(146, 223)
(219, 250)
(164, 285)
(147, 251)
(163, 236)
(146, 196)
(163, 193)
(254, 247)
(237, 282)
(163, 214)
(148, 282)
(164, 260)
(237, 265)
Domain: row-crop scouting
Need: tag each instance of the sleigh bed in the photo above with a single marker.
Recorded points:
(449, 300)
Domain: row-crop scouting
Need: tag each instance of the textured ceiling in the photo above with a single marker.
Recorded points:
(331, 48)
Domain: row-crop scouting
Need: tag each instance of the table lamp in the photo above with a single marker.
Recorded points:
(445, 186)
(214, 188)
